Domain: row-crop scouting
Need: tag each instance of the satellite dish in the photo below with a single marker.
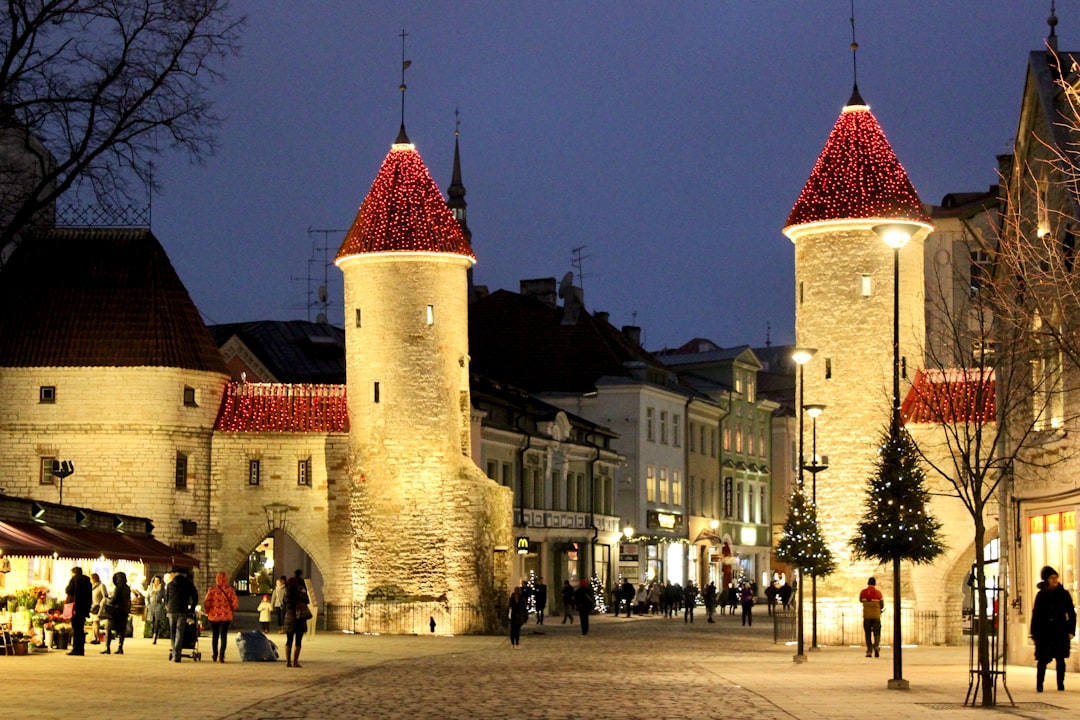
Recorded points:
(566, 284)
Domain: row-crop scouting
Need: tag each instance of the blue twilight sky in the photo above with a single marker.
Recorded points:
(669, 138)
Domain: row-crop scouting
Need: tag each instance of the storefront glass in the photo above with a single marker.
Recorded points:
(1053, 542)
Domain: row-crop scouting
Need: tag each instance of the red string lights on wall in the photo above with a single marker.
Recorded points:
(951, 396)
(405, 212)
(857, 176)
(281, 407)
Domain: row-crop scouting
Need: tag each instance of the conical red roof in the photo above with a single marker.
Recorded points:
(857, 177)
(404, 212)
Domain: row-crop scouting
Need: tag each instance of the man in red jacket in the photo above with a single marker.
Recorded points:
(872, 605)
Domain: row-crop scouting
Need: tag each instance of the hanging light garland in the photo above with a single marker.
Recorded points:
(283, 407)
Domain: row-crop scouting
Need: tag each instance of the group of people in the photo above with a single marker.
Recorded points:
(580, 599)
(172, 604)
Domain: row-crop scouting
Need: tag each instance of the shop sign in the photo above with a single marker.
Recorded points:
(664, 520)
(523, 546)
(628, 552)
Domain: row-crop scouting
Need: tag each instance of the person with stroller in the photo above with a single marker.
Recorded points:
(219, 605)
(181, 597)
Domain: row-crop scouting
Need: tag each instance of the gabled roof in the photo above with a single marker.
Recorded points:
(295, 351)
(522, 341)
(857, 176)
(404, 212)
(97, 297)
(282, 407)
(955, 395)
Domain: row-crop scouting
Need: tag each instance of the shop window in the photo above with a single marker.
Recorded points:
(1053, 542)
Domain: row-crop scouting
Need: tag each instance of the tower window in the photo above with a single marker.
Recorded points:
(189, 397)
(357, 317)
(864, 285)
(303, 472)
(375, 397)
(46, 477)
(430, 314)
(828, 368)
(181, 471)
(47, 394)
(253, 472)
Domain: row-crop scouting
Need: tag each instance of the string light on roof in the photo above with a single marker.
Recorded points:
(857, 176)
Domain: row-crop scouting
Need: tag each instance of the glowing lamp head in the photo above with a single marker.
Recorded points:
(896, 235)
(813, 410)
(801, 356)
(714, 524)
(628, 532)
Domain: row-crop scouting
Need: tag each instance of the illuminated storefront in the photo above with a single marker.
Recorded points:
(1052, 541)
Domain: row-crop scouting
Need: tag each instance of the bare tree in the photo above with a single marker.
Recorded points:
(91, 90)
(980, 411)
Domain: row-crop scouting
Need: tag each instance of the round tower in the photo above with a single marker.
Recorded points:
(844, 294)
(426, 521)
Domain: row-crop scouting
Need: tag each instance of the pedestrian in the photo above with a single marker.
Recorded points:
(626, 595)
(732, 598)
(873, 602)
(746, 597)
(567, 602)
(219, 605)
(689, 601)
(519, 615)
(265, 609)
(584, 601)
(157, 622)
(784, 593)
(100, 599)
(770, 596)
(710, 600)
(1053, 625)
(80, 593)
(117, 611)
(296, 617)
(641, 600)
(541, 600)
(656, 595)
(181, 597)
(277, 599)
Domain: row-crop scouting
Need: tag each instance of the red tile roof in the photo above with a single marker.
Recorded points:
(404, 212)
(99, 297)
(955, 395)
(857, 176)
(280, 407)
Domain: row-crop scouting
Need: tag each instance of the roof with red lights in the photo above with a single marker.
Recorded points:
(955, 395)
(857, 176)
(281, 407)
(404, 212)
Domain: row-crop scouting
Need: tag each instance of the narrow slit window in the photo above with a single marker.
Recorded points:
(375, 396)
(253, 472)
(430, 314)
(303, 473)
(864, 285)
(357, 317)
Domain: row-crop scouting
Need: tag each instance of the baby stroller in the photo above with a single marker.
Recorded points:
(192, 628)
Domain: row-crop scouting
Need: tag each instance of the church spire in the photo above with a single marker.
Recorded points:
(456, 191)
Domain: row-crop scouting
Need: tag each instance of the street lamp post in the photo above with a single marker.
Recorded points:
(896, 235)
(801, 356)
(814, 468)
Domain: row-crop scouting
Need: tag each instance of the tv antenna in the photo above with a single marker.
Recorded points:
(577, 262)
(320, 297)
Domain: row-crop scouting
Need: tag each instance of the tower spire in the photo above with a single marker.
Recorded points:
(1052, 21)
(456, 190)
(402, 137)
(856, 98)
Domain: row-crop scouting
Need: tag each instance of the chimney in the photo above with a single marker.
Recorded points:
(632, 333)
(542, 289)
(602, 316)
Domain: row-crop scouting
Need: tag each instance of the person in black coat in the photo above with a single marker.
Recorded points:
(540, 594)
(1053, 624)
(181, 597)
(584, 600)
(80, 592)
(118, 609)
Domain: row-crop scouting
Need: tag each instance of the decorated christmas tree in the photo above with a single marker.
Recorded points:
(897, 524)
(599, 606)
(802, 544)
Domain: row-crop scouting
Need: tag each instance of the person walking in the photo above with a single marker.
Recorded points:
(219, 605)
(296, 615)
(181, 597)
(567, 602)
(656, 596)
(770, 596)
(277, 599)
(519, 615)
(746, 597)
(97, 605)
(873, 602)
(117, 612)
(710, 600)
(1053, 625)
(584, 601)
(626, 596)
(155, 610)
(80, 593)
(732, 598)
(541, 600)
(689, 600)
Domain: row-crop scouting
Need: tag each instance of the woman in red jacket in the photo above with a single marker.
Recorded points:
(219, 605)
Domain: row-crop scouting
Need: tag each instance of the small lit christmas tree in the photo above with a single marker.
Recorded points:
(530, 592)
(599, 606)
(802, 544)
(897, 524)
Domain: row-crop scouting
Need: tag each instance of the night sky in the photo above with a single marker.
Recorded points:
(670, 139)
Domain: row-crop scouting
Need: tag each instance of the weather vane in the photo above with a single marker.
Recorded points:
(854, 48)
(404, 66)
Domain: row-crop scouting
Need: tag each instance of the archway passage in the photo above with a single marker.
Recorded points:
(276, 556)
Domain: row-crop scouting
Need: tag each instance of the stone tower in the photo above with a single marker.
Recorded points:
(430, 531)
(844, 310)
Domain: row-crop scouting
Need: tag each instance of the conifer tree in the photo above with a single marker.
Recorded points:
(802, 545)
(897, 524)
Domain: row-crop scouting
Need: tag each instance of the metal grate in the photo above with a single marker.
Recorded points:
(1000, 706)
